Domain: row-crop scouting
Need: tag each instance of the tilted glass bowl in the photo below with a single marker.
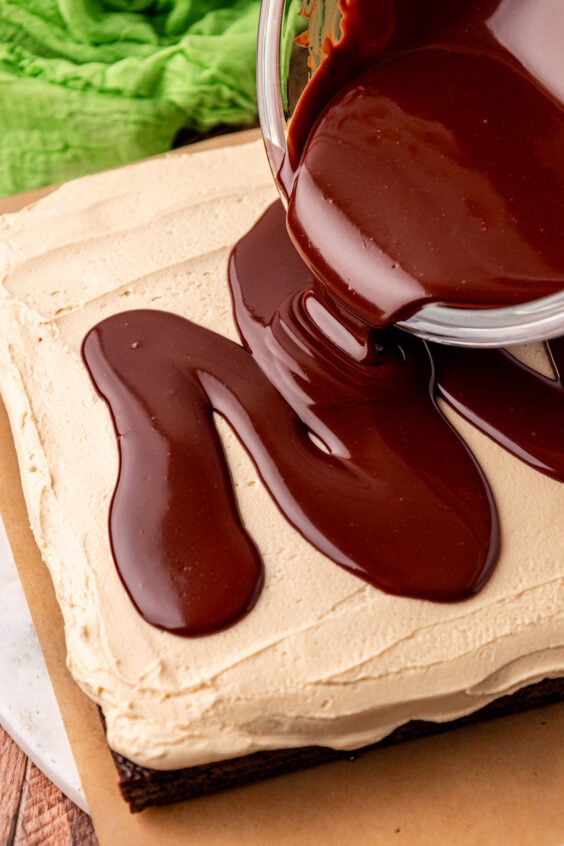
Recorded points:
(283, 69)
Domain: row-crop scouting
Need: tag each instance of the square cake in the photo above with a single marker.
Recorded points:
(324, 661)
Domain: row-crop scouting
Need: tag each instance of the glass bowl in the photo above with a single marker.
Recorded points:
(283, 70)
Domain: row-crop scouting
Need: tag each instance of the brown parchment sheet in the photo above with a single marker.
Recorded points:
(496, 783)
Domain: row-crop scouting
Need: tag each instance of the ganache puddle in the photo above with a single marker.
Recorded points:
(340, 418)
(399, 500)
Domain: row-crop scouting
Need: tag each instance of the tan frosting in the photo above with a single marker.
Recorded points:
(323, 658)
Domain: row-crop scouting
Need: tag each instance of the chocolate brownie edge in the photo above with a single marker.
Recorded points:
(142, 787)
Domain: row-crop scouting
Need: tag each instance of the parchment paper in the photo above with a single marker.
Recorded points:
(497, 783)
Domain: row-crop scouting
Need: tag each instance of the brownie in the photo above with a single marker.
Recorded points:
(142, 787)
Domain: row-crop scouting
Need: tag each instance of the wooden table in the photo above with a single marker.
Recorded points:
(33, 812)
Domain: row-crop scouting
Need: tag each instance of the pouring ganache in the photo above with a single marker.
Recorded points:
(435, 175)
(402, 192)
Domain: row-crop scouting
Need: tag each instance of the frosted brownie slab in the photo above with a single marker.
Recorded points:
(323, 659)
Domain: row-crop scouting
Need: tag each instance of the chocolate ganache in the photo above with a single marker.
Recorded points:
(437, 174)
(338, 414)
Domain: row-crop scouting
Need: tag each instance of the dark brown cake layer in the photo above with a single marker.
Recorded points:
(142, 787)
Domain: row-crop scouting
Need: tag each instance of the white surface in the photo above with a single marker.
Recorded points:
(28, 708)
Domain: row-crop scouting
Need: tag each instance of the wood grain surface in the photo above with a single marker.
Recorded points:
(33, 812)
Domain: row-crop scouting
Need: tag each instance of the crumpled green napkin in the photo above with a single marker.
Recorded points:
(88, 84)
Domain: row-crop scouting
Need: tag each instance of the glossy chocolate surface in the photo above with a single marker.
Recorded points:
(397, 498)
(405, 193)
(435, 176)
(385, 488)
(181, 552)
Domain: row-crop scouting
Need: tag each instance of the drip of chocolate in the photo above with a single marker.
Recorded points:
(516, 406)
(405, 193)
(391, 493)
(522, 410)
(177, 540)
(395, 496)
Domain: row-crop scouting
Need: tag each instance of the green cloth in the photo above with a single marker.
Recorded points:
(88, 84)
